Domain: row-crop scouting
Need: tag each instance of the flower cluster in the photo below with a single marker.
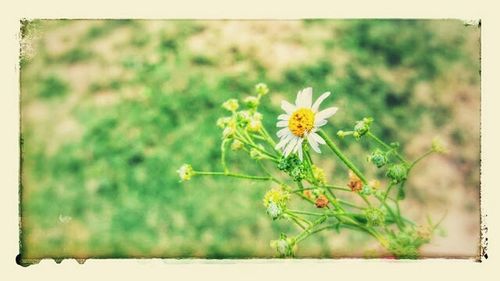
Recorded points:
(300, 132)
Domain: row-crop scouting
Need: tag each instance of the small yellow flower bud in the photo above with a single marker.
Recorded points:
(223, 121)
(261, 89)
(236, 145)
(254, 125)
(231, 105)
(438, 146)
(251, 101)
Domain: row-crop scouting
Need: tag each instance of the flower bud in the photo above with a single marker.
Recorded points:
(228, 132)
(277, 197)
(244, 117)
(308, 194)
(236, 145)
(284, 246)
(438, 146)
(397, 173)
(362, 127)
(251, 101)
(321, 201)
(366, 190)
(255, 125)
(231, 105)
(274, 210)
(374, 217)
(298, 173)
(261, 89)
(185, 172)
(355, 183)
(341, 134)
(378, 158)
(223, 121)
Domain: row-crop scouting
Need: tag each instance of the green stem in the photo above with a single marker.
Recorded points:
(387, 192)
(267, 136)
(309, 168)
(292, 215)
(271, 157)
(305, 213)
(346, 161)
(232, 175)
(223, 155)
(338, 188)
(349, 204)
(342, 157)
(420, 158)
(397, 219)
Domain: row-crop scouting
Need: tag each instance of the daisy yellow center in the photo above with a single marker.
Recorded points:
(301, 121)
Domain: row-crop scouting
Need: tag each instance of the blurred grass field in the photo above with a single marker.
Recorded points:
(111, 108)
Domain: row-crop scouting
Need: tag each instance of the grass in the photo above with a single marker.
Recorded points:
(117, 180)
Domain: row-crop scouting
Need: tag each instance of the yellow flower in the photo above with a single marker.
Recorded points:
(276, 195)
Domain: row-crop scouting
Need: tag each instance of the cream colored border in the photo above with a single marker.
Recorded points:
(250, 269)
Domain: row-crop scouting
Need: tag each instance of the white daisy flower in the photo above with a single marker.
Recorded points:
(301, 122)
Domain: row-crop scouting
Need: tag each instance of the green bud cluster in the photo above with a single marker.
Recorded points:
(378, 158)
(406, 243)
(374, 217)
(284, 246)
(397, 173)
(366, 190)
(293, 167)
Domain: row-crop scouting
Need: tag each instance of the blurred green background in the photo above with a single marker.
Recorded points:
(111, 108)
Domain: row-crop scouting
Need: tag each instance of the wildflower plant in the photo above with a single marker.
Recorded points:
(294, 174)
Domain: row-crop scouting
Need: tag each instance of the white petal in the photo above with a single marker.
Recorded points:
(314, 145)
(319, 122)
(284, 141)
(281, 133)
(327, 113)
(317, 103)
(317, 138)
(299, 149)
(282, 123)
(288, 107)
(304, 98)
(284, 117)
(291, 146)
(298, 99)
(299, 144)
